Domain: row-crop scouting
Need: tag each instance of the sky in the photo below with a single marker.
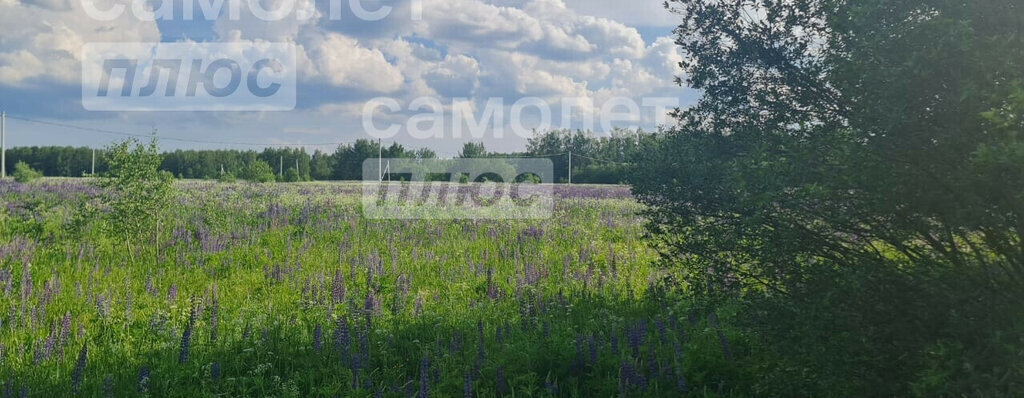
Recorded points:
(458, 54)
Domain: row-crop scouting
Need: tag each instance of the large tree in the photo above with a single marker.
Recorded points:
(838, 137)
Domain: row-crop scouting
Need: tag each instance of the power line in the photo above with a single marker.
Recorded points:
(600, 160)
(127, 134)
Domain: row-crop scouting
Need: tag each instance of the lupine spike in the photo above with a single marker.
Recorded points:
(78, 372)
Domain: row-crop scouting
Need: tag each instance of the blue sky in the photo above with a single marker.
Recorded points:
(597, 50)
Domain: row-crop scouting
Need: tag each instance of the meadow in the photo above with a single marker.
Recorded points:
(287, 290)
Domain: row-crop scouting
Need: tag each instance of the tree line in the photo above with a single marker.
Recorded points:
(603, 159)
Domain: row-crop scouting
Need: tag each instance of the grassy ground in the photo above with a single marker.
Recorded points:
(286, 290)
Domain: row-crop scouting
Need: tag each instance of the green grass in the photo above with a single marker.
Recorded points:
(269, 259)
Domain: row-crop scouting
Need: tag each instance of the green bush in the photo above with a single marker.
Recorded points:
(23, 173)
(226, 178)
(141, 192)
(291, 175)
(257, 171)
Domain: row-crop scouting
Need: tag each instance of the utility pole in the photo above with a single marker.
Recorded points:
(3, 144)
(570, 167)
(280, 166)
(380, 162)
(297, 167)
(92, 171)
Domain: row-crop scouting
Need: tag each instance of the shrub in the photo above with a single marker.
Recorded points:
(23, 173)
(140, 190)
(257, 171)
(291, 175)
(226, 178)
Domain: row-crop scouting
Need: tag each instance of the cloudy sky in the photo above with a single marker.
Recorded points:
(594, 51)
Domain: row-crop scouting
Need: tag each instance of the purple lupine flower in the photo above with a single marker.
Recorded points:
(579, 362)
(215, 370)
(102, 305)
(593, 349)
(492, 290)
(629, 378)
(500, 380)
(172, 293)
(338, 287)
(108, 386)
(613, 343)
(341, 338)
(317, 334)
(636, 339)
(186, 337)
(480, 353)
(680, 378)
(143, 382)
(48, 346)
(370, 305)
(78, 372)
(424, 378)
(364, 347)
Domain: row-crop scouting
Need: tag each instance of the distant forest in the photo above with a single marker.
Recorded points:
(598, 159)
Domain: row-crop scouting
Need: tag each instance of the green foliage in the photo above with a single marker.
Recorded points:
(140, 192)
(23, 173)
(257, 171)
(853, 175)
(226, 178)
(291, 175)
(473, 150)
(225, 255)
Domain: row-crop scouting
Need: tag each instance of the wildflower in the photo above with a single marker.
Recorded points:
(593, 349)
(143, 380)
(424, 377)
(186, 337)
(79, 369)
(316, 338)
(501, 381)
(108, 386)
(215, 370)
(341, 338)
(338, 287)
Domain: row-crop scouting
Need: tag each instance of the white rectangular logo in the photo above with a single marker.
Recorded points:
(243, 76)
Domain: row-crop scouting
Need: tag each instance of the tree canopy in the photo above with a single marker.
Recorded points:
(859, 159)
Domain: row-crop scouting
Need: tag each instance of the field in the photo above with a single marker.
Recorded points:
(287, 290)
